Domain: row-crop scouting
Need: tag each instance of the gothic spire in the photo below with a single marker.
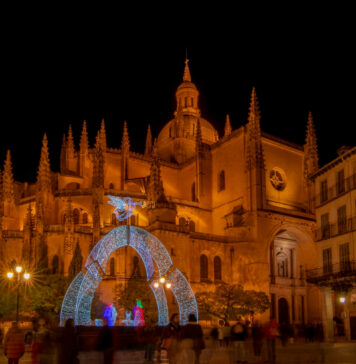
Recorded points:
(155, 187)
(70, 143)
(63, 154)
(311, 148)
(103, 135)
(8, 179)
(98, 163)
(44, 168)
(148, 146)
(227, 130)
(186, 76)
(84, 143)
(254, 151)
(125, 142)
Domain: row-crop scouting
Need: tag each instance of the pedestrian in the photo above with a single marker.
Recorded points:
(106, 343)
(238, 337)
(170, 338)
(14, 344)
(227, 334)
(221, 333)
(192, 342)
(68, 344)
(257, 337)
(271, 334)
(150, 337)
(284, 333)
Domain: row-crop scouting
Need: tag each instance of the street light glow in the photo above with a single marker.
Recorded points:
(26, 275)
(162, 279)
(10, 275)
(168, 285)
(155, 285)
(342, 299)
(18, 269)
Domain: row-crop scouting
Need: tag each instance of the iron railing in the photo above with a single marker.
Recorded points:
(329, 273)
(330, 230)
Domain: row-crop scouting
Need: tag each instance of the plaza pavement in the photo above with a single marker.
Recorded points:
(301, 353)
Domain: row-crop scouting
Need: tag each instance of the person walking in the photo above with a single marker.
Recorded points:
(238, 337)
(257, 337)
(68, 344)
(14, 344)
(170, 337)
(192, 342)
(271, 334)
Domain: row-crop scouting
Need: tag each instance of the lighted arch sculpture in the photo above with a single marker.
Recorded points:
(78, 298)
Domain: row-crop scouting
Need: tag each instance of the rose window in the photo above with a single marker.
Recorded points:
(278, 179)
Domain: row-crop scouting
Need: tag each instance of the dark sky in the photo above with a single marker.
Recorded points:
(59, 72)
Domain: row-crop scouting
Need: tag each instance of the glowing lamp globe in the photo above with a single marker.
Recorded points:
(18, 269)
(26, 276)
(155, 285)
(10, 275)
(168, 285)
(162, 280)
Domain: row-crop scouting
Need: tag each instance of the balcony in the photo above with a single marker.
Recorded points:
(337, 190)
(335, 229)
(340, 275)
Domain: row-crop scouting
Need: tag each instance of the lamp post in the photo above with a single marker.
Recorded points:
(162, 281)
(20, 279)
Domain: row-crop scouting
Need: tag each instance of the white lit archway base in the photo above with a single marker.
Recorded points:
(79, 296)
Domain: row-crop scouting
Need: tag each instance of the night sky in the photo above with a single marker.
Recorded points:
(58, 73)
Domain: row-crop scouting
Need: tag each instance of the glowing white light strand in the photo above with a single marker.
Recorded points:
(78, 299)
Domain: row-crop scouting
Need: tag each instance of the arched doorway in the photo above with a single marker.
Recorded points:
(283, 311)
(157, 261)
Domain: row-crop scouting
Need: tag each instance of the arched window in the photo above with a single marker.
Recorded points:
(221, 181)
(282, 264)
(111, 186)
(185, 101)
(194, 197)
(76, 216)
(192, 101)
(203, 267)
(191, 225)
(217, 268)
(55, 264)
(182, 221)
(113, 219)
(85, 218)
(112, 266)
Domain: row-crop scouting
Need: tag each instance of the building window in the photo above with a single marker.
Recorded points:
(85, 218)
(194, 197)
(76, 216)
(172, 252)
(340, 182)
(341, 219)
(113, 219)
(221, 181)
(203, 267)
(344, 255)
(323, 191)
(282, 264)
(192, 102)
(111, 186)
(217, 269)
(327, 261)
(112, 267)
(182, 221)
(325, 226)
(185, 101)
(191, 225)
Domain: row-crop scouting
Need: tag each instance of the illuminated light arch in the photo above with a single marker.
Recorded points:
(78, 298)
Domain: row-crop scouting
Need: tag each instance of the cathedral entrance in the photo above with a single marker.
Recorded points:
(283, 311)
(159, 268)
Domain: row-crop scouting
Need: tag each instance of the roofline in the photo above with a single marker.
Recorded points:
(334, 163)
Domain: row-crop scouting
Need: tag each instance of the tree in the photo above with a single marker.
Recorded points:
(76, 263)
(230, 302)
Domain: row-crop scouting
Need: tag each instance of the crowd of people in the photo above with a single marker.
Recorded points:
(244, 341)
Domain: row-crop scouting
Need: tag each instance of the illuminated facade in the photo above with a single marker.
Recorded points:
(236, 208)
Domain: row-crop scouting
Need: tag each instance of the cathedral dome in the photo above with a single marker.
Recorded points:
(176, 141)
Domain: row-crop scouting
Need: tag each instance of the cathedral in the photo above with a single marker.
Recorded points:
(235, 208)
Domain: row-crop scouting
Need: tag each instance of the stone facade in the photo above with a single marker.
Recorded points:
(236, 208)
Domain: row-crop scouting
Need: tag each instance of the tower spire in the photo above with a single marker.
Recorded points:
(84, 143)
(254, 157)
(155, 188)
(44, 169)
(98, 164)
(227, 130)
(186, 75)
(148, 146)
(103, 135)
(8, 179)
(70, 143)
(311, 162)
(125, 141)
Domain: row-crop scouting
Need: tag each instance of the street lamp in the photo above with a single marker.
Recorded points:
(20, 280)
(162, 281)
